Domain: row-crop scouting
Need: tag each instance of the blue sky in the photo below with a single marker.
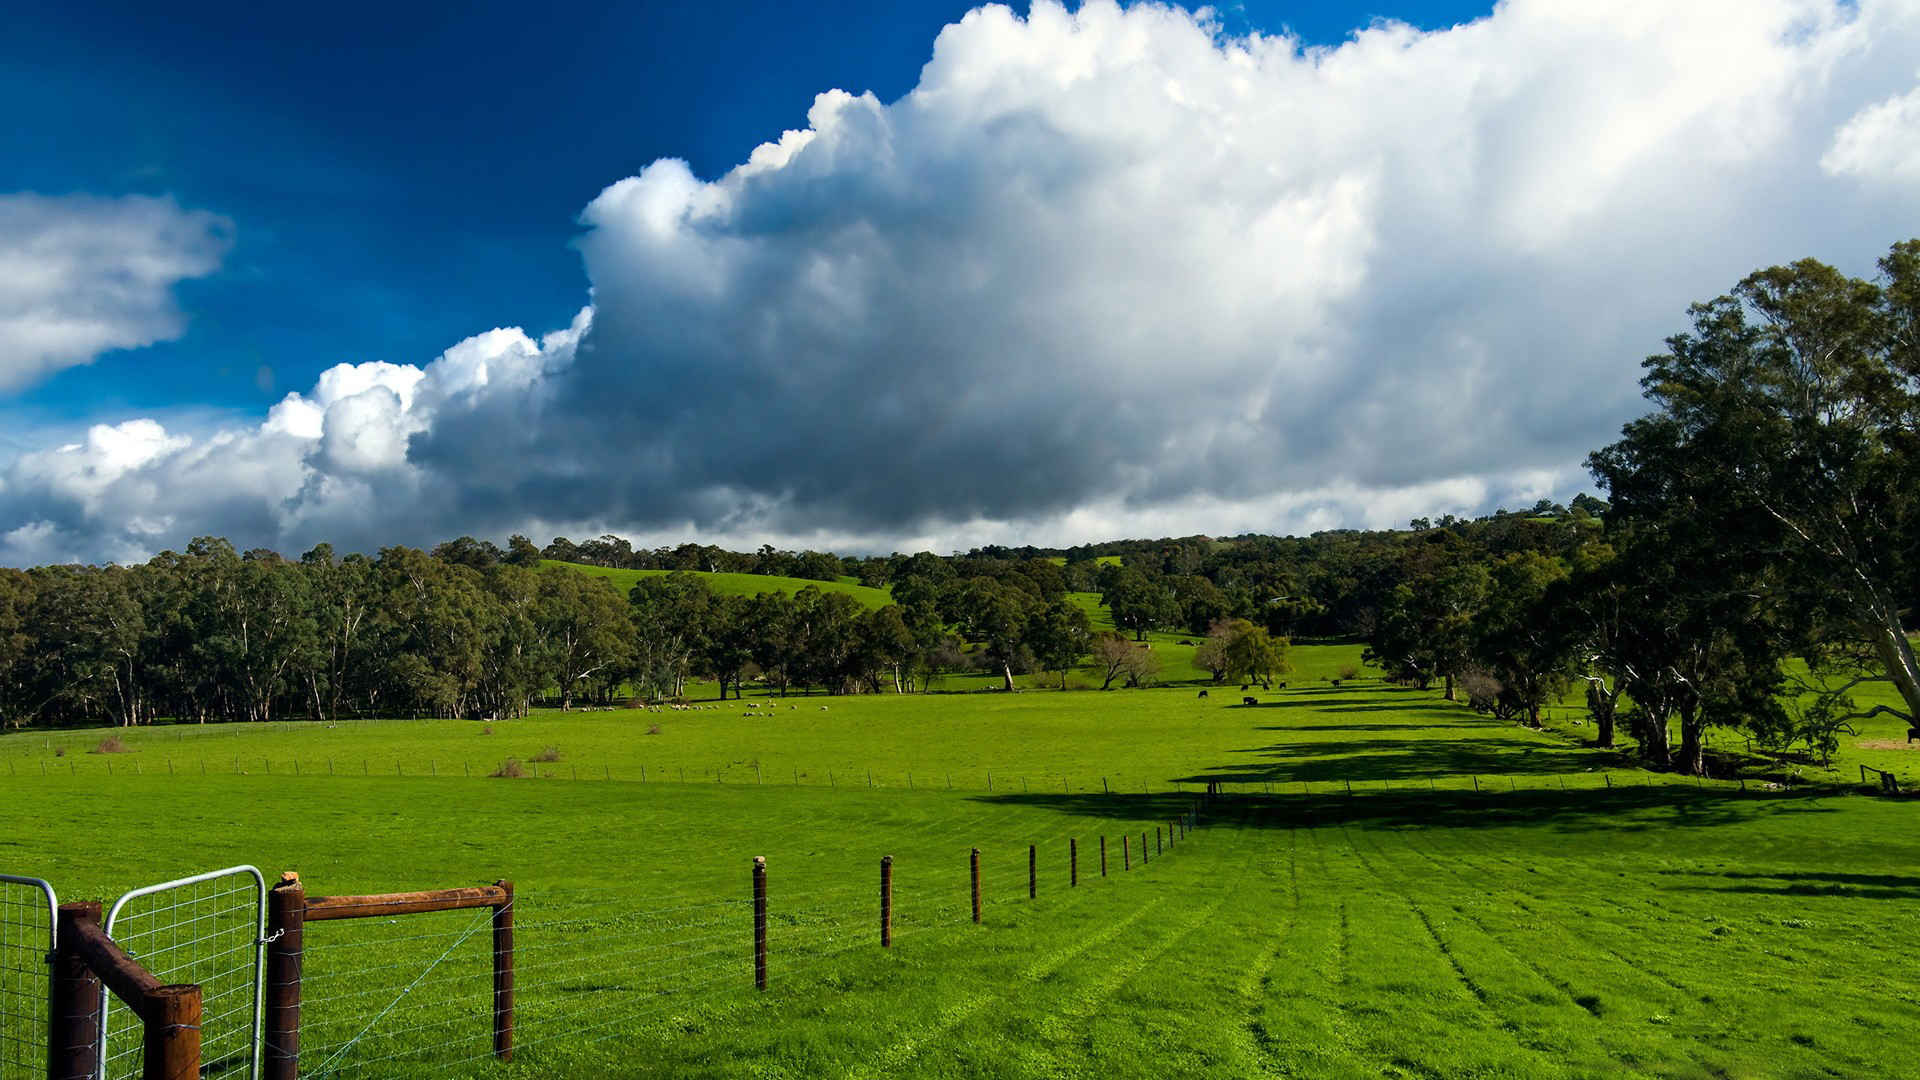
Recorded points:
(401, 176)
(872, 277)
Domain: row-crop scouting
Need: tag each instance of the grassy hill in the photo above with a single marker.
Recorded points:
(737, 584)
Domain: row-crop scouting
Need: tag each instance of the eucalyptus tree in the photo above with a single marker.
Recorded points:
(1787, 424)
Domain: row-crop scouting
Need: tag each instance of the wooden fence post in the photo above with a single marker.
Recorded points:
(886, 901)
(1073, 861)
(503, 975)
(1156, 840)
(1103, 856)
(1126, 852)
(286, 933)
(1143, 847)
(172, 1036)
(1033, 871)
(73, 1005)
(759, 922)
(975, 861)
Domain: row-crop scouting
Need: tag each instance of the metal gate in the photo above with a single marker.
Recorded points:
(27, 928)
(208, 929)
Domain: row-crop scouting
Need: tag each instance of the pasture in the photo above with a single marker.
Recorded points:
(1487, 902)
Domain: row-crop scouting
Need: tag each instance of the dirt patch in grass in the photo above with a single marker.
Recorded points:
(1885, 744)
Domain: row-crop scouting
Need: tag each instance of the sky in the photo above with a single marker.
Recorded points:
(886, 276)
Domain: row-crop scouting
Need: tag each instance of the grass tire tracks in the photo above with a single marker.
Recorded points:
(905, 1049)
(1088, 1001)
(1470, 984)
(1258, 981)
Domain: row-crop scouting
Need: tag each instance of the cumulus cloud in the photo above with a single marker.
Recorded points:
(330, 464)
(1881, 142)
(80, 276)
(1112, 272)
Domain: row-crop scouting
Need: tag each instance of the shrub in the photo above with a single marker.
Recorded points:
(653, 729)
(510, 769)
(1349, 672)
(488, 730)
(550, 754)
(59, 751)
(111, 745)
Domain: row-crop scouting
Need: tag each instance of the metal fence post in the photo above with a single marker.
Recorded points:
(759, 922)
(886, 901)
(975, 861)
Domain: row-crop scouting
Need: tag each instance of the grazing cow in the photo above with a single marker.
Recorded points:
(1336, 682)
(1282, 686)
(1249, 701)
(1203, 693)
(1244, 686)
(1913, 733)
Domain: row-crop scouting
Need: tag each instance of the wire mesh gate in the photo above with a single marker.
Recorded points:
(27, 928)
(208, 929)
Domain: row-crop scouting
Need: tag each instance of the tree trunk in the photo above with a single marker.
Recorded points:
(1654, 745)
(1006, 673)
(1896, 655)
(1600, 705)
(1693, 751)
(1449, 678)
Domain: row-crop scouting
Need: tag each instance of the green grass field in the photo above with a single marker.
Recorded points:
(1487, 902)
(736, 584)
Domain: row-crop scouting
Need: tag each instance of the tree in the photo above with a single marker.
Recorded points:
(995, 616)
(1253, 655)
(343, 597)
(1515, 641)
(672, 617)
(889, 644)
(1211, 656)
(1111, 654)
(1058, 632)
(1787, 423)
(585, 626)
(1137, 604)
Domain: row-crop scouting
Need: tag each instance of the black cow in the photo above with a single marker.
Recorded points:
(1249, 701)
(1203, 693)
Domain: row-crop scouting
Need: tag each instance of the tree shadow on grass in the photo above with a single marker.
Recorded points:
(1623, 809)
(1804, 883)
(1409, 728)
(1323, 761)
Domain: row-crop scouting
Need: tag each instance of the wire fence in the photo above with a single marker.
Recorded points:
(207, 930)
(27, 921)
(411, 995)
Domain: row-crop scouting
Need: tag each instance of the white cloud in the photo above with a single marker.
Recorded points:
(80, 276)
(1108, 272)
(1880, 142)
